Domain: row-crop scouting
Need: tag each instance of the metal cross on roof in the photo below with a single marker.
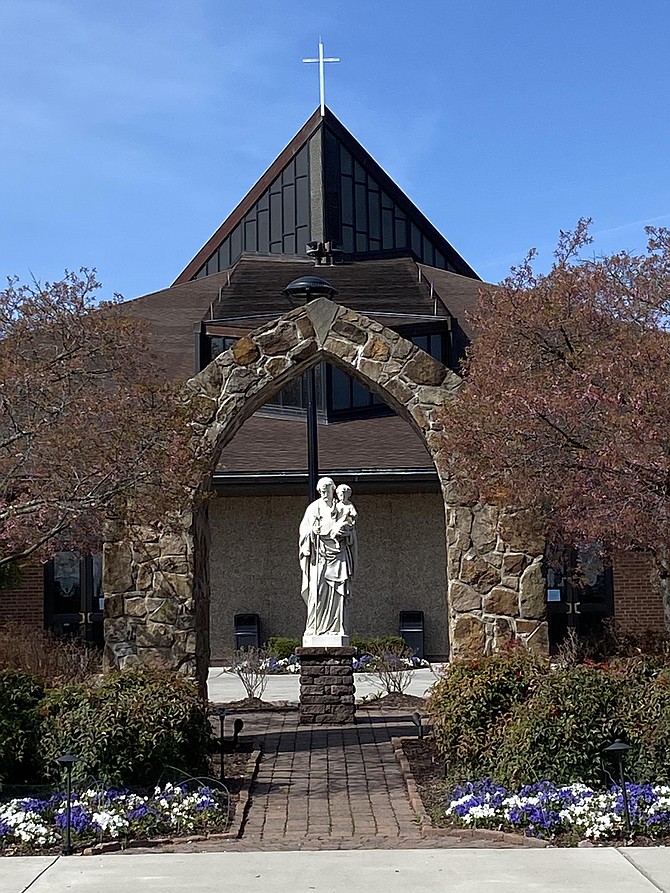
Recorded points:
(322, 86)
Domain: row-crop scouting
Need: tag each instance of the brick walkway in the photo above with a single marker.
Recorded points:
(332, 787)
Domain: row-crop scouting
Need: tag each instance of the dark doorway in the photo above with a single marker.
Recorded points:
(73, 596)
(580, 593)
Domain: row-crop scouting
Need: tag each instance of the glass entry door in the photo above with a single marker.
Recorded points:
(73, 603)
(580, 593)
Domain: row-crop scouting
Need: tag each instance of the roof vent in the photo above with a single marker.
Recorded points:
(309, 287)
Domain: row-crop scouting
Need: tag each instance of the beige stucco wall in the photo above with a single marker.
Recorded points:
(254, 566)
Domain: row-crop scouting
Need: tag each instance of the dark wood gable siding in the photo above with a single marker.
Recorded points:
(278, 223)
(362, 206)
(367, 212)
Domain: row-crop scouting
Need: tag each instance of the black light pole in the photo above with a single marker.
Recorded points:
(305, 289)
(618, 751)
(312, 433)
(68, 760)
(221, 713)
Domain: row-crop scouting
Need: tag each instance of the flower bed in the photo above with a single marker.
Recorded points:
(575, 811)
(33, 825)
(364, 663)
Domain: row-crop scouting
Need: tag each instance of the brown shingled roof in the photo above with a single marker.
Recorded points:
(273, 444)
(254, 286)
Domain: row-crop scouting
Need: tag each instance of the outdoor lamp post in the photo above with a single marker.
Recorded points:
(618, 751)
(68, 760)
(221, 713)
(416, 719)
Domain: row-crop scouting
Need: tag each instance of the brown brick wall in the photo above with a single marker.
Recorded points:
(638, 606)
(25, 604)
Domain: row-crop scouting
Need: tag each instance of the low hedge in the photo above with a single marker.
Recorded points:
(512, 718)
(131, 728)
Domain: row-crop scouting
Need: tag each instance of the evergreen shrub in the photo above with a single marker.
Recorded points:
(513, 719)
(471, 704)
(132, 728)
(282, 647)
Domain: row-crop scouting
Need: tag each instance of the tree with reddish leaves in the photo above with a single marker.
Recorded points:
(565, 407)
(88, 424)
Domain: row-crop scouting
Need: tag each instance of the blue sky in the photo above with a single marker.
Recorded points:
(131, 129)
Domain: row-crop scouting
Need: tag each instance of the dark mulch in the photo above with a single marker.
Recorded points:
(236, 766)
(428, 771)
(394, 701)
(257, 704)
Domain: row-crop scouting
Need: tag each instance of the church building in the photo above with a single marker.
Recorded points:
(326, 219)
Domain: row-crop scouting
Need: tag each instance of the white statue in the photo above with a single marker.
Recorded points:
(328, 560)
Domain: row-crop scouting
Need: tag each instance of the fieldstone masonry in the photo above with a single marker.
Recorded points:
(156, 582)
(327, 685)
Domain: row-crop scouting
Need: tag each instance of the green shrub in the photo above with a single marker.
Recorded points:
(20, 695)
(282, 646)
(647, 729)
(377, 645)
(560, 731)
(129, 728)
(470, 704)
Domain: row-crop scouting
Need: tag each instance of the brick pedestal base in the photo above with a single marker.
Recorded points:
(326, 685)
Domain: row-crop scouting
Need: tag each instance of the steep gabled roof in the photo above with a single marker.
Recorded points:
(325, 186)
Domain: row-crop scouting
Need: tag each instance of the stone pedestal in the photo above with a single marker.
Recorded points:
(326, 685)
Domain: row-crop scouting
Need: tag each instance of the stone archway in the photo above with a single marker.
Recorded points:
(156, 585)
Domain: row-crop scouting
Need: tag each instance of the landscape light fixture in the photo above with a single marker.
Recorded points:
(221, 713)
(67, 760)
(416, 719)
(617, 751)
(238, 725)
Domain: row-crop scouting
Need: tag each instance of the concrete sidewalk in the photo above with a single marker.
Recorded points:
(225, 686)
(600, 870)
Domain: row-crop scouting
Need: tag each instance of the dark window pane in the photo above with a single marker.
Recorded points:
(348, 239)
(224, 255)
(289, 209)
(361, 242)
(289, 244)
(387, 228)
(264, 231)
(416, 240)
(302, 162)
(288, 174)
(346, 161)
(347, 201)
(340, 389)
(361, 208)
(264, 202)
(359, 174)
(250, 243)
(276, 231)
(302, 201)
(301, 239)
(439, 260)
(427, 252)
(361, 395)
(236, 243)
(400, 232)
(386, 202)
(421, 341)
(374, 211)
